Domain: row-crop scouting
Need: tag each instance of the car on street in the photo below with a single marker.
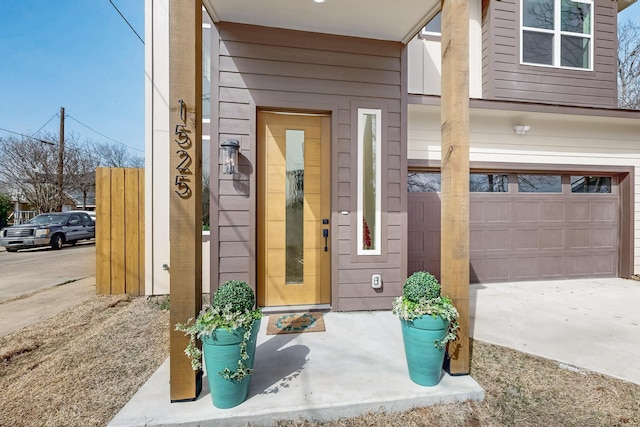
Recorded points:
(92, 214)
(50, 229)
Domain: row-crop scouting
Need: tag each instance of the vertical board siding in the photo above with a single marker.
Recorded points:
(120, 231)
(267, 68)
(505, 78)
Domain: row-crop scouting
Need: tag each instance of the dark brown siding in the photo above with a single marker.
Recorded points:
(504, 78)
(266, 68)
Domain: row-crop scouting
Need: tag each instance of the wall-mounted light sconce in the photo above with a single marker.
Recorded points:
(230, 150)
(521, 129)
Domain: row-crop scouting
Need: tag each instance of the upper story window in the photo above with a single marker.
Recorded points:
(557, 33)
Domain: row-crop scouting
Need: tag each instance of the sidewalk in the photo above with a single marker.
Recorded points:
(22, 311)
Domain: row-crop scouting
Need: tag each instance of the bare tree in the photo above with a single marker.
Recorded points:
(80, 170)
(30, 166)
(629, 66)
(115, 156)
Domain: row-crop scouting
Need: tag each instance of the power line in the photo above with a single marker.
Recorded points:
(52, 117)
(103, 135)
(125, 20)
(27, 136)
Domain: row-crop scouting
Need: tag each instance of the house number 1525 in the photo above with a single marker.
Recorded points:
(184, 143)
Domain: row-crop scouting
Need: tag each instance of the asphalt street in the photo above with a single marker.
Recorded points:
(27, 271)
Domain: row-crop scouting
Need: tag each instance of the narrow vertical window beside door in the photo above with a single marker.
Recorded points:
(295, 206)
(369, 168)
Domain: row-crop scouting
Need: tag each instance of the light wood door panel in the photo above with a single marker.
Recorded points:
(293, 199)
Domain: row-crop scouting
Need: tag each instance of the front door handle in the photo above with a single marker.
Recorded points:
(325, 234)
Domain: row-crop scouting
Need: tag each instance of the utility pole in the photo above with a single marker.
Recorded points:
(61, 160)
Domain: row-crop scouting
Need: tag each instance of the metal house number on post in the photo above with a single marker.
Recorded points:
(184, 142)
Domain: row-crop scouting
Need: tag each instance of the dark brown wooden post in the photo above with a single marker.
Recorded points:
(185, 186)
(455, 172)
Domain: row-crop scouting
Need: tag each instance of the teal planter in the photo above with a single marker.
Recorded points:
(222, 350)
(424, 360)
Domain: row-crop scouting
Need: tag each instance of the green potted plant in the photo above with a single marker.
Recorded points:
(428, 321)
(228, 330)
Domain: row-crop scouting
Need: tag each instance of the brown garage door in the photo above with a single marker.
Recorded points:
(522, 226)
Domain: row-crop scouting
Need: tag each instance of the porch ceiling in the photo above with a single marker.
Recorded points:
(397, 20)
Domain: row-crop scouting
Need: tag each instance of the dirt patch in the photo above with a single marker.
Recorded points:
(81, 367)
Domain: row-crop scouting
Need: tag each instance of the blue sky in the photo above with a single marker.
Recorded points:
(77, 54)
(81, 55)
(630, 13)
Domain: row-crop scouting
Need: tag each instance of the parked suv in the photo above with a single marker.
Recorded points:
(51, 229)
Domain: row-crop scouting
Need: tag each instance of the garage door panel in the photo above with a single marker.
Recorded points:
(477, 211)
(579, 211)
(603, 238)
(551, 238)
(499, 211)
(489, 211)
(430, 265)
(432, 242)
(552, 211)
(416, 212)
(489, 240)
(490, 269)
(578, 238)
(551, 267)
(416, 241)
(526, 211)
(602, 264)
(525, 239)
(577, 264)
(604, 211)
(525, 236)
(524, 268)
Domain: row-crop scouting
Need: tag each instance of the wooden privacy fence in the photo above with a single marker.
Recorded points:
(120, 231)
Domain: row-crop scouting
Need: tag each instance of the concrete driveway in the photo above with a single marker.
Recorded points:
(591, 324)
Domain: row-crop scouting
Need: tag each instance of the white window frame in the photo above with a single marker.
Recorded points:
(557, 36)
(377, 231)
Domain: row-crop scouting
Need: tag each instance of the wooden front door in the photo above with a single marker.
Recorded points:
(293, 209)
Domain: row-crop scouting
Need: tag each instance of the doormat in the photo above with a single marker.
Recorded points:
(295, 323)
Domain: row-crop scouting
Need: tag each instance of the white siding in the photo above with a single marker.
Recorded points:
(553, 139)
(156, 146)
(424, 71)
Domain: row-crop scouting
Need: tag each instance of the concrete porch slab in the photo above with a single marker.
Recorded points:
(356, 366)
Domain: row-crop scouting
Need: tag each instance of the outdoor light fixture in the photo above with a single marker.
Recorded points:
(521, 129)
(230, 150)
